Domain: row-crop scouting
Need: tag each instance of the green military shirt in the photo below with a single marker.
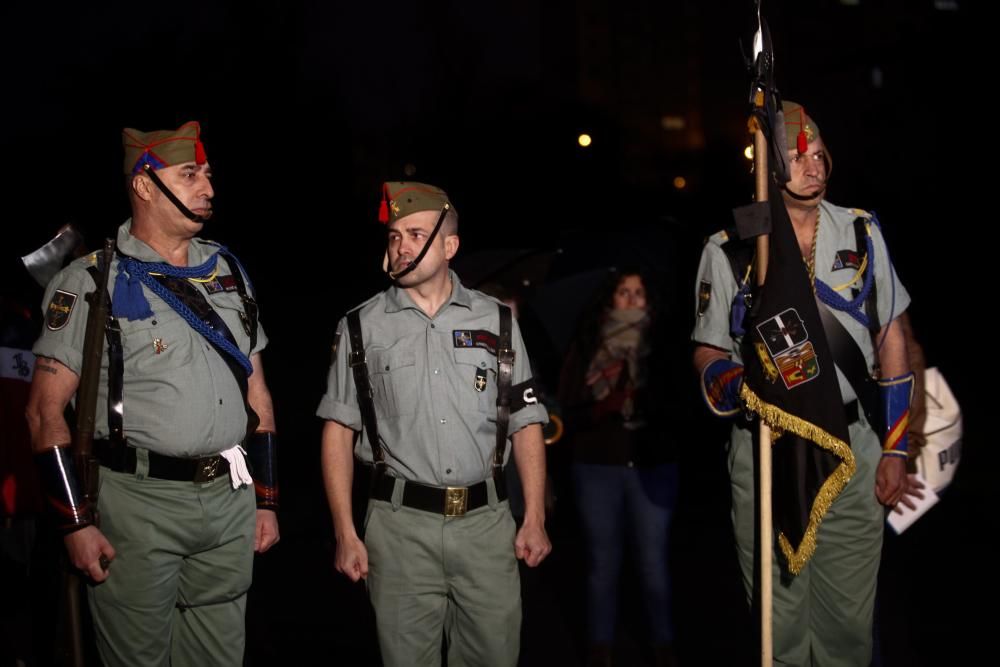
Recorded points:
(435, 415)
(180, 398)
(836, 245)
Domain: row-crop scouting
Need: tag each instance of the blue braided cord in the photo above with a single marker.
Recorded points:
(129, 301)
(173, 271)
(830, 297)
(141, 270)
(738, 311)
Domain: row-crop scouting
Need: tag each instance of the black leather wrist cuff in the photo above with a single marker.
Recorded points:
(262, 451)
(57, 475)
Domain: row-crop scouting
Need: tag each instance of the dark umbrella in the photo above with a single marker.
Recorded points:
(585, 261)
(516, 269)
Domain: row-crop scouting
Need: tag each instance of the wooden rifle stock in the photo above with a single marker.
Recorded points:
(87, 465)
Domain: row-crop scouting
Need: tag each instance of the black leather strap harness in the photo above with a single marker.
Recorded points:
(362, 383)
(197, 302)
(505, 373)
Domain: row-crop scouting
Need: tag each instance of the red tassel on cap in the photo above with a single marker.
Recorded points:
(383, 209)
(801, 142)
(199, 153)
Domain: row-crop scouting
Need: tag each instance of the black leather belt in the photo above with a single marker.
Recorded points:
(448, 501)
(123, 459)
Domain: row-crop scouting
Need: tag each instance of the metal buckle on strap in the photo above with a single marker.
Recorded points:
(357, 358)
(248, 316)
(456, 500)
(207, 469)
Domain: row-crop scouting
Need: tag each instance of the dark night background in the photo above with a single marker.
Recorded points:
(307, 106)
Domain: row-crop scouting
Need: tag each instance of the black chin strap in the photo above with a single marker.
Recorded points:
(797, 196)
(188, 213)
(396, 275)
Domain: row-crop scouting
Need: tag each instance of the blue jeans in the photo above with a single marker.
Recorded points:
(611, 497)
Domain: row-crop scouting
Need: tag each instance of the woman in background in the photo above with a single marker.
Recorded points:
(625, 480)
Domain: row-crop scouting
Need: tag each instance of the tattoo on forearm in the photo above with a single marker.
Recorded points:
(46, 366)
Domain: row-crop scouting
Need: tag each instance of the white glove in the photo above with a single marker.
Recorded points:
(239, 474)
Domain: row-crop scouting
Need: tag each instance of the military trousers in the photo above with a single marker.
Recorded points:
(176, 594)
(432, 576)
(823, 615)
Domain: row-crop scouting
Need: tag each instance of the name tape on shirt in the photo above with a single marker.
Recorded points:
(475, 338)
(846, 259)
(221, 284)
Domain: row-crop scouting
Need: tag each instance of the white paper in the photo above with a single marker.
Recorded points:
(900, 521)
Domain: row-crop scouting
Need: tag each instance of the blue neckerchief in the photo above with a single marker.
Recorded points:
(130, 303)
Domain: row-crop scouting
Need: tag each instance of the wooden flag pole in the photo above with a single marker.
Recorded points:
(764, 469)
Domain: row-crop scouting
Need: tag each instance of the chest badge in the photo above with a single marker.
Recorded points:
(159, 346)
(480, 380)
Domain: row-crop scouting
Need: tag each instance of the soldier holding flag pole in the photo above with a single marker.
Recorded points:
(809, 347)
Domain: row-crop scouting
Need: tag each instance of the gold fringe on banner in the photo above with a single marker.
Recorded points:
(779, 420)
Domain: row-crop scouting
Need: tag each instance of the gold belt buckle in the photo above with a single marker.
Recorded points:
(207, 469)
(456, 500)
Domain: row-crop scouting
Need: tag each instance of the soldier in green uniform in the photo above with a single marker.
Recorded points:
(439, 549)
(822, 616)
(181, 387)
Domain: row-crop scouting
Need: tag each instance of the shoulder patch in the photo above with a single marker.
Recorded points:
(60, 307)
(704, 296)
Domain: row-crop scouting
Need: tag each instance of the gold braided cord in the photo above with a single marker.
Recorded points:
(778, 419)
(208, 278)
(858, 277)
(861, 271)
(811, 260)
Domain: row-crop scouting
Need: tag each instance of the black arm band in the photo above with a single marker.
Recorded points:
(522, 395)
(57, 473)
(262, 450)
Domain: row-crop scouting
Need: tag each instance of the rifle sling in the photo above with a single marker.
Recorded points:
(363, 386)
(505, 372)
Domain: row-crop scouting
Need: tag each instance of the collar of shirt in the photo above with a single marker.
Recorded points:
(198, 251)
(396, 298)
